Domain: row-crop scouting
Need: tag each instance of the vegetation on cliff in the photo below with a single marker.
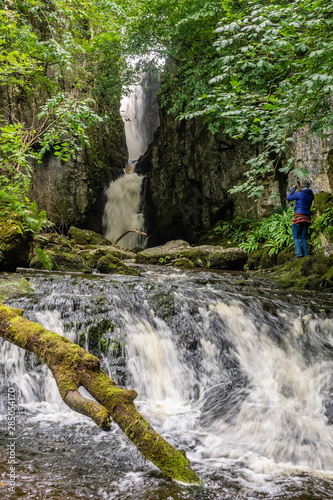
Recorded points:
(60, 77)
(260, 69)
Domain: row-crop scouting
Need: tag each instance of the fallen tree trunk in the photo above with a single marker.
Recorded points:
(126, 232)
(73, 367)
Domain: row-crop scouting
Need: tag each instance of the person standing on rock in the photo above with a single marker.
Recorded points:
(302, 216)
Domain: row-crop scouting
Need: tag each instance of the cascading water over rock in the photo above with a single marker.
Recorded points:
(242, 383)
(123, 209)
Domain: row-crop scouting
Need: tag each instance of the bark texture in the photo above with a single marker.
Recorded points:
(73, 367)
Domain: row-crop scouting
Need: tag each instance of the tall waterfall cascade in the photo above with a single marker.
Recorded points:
(123, 210)
(243, 383)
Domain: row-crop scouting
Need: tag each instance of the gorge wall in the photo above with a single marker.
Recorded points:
(189, 172)
(73, 192)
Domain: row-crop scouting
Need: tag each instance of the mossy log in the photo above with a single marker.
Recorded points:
(73, 367)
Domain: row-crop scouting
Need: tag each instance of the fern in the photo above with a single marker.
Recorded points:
(44, 259)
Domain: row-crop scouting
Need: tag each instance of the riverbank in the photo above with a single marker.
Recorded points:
(85, 251)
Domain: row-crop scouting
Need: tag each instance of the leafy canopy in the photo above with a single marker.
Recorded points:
(260, 69)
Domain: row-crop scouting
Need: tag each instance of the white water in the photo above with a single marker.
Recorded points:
(122, 211)
(139, 111)
(272, 426)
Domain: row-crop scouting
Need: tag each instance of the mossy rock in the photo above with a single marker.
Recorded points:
(260, 259)
(232, 259)
(109, 264)
(13, 285)
(162, 304)
(322, 201)
(61, 259)
(183, 263)
(307, 273)
(163, 254)
(202, 256)
(14, 249)
(285, 255)
(86, 237)
(98, 337)
(92, 257)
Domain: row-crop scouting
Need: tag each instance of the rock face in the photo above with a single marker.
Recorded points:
(315, 154)
(73, 192)
(189, 172)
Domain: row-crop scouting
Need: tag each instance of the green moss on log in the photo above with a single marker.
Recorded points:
(72, 367)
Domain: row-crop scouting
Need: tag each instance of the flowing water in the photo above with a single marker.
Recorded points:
(239, 377)
(123, 211)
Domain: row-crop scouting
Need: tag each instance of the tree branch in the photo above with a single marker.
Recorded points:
(73, 367)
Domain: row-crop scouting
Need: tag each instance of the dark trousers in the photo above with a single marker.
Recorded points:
(299, 232)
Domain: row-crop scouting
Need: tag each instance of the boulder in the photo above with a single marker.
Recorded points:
(14, 249)
(109, 264)
(201, 256)
(86, 237)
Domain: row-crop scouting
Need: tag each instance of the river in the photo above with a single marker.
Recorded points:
(241, 378)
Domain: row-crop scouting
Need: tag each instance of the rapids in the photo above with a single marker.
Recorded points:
(239, 377)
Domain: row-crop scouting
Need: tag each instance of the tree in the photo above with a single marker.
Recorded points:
(259, 69)
(73, 367)
(64, 60)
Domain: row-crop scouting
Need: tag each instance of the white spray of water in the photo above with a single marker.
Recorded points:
(283, 416)
(132, 110)
(37, 385)
(139, 110)
(122, 211)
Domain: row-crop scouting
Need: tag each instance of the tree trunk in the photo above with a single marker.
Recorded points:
(73, 367)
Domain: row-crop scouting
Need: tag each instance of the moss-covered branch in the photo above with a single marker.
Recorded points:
(73, 367)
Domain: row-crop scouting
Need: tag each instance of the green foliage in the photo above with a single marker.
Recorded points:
(273, 232)
(164, 260)
(54, 55)
(44, 258)
(322, 225)
(259, 69)
(275, 62)
(182, 34)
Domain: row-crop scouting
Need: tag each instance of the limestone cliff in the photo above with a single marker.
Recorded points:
(315, 154)
(73, 193)
(189, 172)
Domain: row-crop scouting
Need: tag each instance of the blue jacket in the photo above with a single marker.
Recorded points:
(303, 199)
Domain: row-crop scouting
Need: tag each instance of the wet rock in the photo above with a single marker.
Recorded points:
(86, 237)
(183, 263)
(14, 242)
(109, 264)
(261, 259)
(308, 273)
(13, 284)
(201, 256)
(94, 255)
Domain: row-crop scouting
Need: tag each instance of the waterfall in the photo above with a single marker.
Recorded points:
(123, 207)
(122, 211)
(242, 383)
